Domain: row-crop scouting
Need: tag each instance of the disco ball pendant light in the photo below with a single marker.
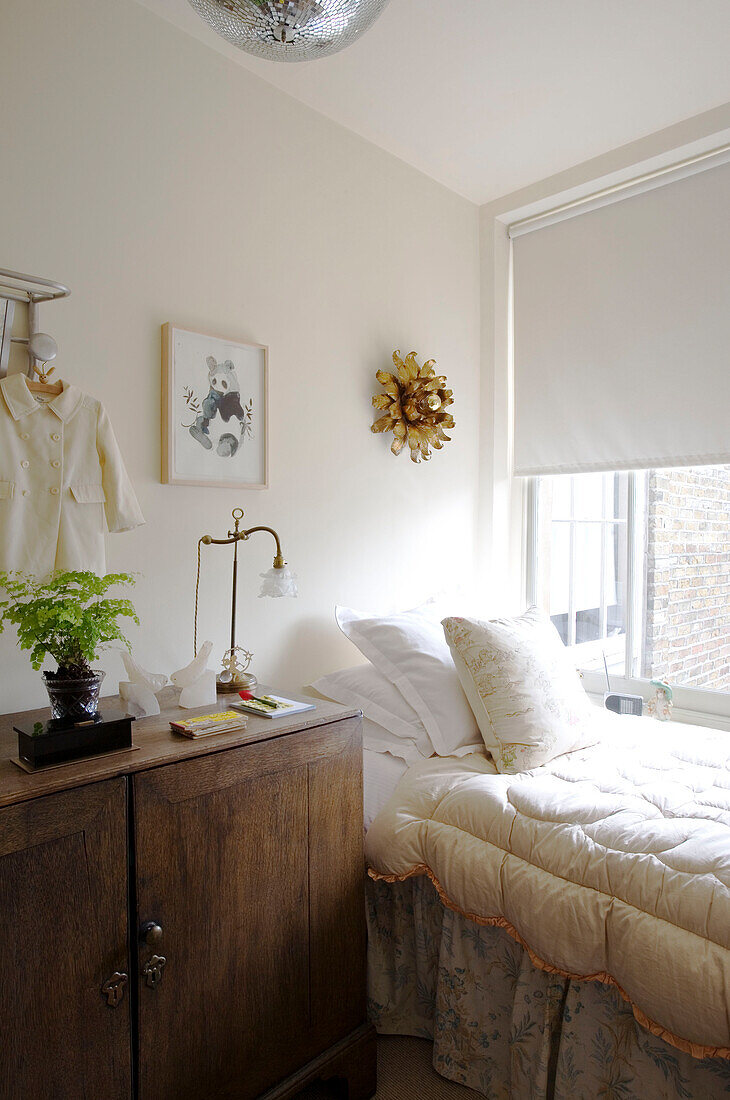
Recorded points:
(290, 30)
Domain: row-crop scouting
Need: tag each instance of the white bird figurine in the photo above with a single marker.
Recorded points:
(186, 676)
(139, 692)
(153, 681)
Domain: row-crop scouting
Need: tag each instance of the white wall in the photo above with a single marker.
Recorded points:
(163, 182)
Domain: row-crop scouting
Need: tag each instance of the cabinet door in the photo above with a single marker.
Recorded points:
(63, 900)
(222, 867)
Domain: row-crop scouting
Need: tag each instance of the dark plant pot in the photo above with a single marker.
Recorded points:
(74, 700)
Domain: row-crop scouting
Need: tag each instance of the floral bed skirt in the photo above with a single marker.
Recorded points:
(503, 1027)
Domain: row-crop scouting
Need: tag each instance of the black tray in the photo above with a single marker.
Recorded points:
(55, 742)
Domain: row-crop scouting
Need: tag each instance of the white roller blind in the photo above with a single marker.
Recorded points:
(622, 333)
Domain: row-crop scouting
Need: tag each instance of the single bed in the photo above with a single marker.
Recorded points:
(549, 890)
(564, 931)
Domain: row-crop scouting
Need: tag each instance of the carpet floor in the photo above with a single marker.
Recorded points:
(404, 1073)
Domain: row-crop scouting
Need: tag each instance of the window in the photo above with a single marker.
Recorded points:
(635, 567)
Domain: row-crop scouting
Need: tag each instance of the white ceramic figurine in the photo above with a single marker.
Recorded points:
(196, 680)
(139, 692)
(660, 706)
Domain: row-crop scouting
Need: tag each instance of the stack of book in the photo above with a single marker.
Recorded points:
(225, 721)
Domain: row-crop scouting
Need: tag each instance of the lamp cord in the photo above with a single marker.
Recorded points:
(197, 588)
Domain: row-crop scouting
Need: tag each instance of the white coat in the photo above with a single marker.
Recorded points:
(60, 471)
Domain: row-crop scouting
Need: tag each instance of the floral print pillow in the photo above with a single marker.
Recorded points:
(525, 692)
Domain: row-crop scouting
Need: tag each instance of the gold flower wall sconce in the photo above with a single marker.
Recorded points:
(414, 404)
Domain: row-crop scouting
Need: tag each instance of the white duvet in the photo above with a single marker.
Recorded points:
(610, 863)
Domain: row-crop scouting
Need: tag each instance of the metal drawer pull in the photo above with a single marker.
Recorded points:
(113, 988)
(152, 970)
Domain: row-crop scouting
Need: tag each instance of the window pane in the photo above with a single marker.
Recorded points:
(561, 624)
(687, 600)
(581, 569)
(559, 580)
(588, 496)
(588, 625)
(617, 492)
(678, 542)
(587, 567)
(615, 581)
(561, 495)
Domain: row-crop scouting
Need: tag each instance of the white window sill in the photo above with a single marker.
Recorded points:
(691, 705)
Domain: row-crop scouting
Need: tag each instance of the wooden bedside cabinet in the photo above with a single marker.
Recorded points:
(185, 920)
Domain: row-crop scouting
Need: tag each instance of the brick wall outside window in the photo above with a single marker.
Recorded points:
(687, 633)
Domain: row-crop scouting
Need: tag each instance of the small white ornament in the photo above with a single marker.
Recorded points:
(201, 693)
(190, 673)
(196, 680)
(154, 681)
(660, 707)
(139, 692)
(140, 701)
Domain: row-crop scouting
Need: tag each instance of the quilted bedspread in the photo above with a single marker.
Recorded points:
(611, 863)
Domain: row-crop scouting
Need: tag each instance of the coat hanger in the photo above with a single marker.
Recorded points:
(43, 385)
(43, 348)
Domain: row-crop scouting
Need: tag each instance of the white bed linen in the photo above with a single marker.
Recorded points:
(611, 862)
(410, 650)
(390, 724)
(381, 774)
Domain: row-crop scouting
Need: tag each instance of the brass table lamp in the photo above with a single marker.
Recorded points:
(277, 581)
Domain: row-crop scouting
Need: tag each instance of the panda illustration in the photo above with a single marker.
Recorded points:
(224, 400)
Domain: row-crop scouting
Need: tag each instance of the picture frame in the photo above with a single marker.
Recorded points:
(215, 410)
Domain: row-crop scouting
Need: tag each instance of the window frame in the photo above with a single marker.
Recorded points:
(699, 706)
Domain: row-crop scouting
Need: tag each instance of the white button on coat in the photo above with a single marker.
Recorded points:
(63, 527)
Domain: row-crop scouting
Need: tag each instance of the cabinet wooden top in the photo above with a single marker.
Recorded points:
(154, 744)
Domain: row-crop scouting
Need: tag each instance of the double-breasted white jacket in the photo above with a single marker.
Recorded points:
(60, 471)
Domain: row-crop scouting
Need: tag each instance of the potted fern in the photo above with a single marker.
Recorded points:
(70, 618)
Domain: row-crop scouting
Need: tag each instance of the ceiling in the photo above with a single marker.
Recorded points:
(487, 96)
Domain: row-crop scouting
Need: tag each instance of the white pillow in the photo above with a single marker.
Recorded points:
(408, 648)
(394, 725)
(523, 688)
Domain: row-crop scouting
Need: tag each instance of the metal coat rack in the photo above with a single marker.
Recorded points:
(32, 290)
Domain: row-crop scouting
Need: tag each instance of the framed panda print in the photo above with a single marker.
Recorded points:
(214, 410)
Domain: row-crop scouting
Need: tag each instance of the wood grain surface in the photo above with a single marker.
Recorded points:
(246, 848)
(224, 872)
(251, 862)
(155, 742)
(63, 900)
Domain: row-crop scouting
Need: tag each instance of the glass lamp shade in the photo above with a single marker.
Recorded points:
(289, 30)
(278, 582)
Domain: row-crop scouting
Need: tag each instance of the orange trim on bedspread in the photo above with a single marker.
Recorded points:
(697, 1050)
